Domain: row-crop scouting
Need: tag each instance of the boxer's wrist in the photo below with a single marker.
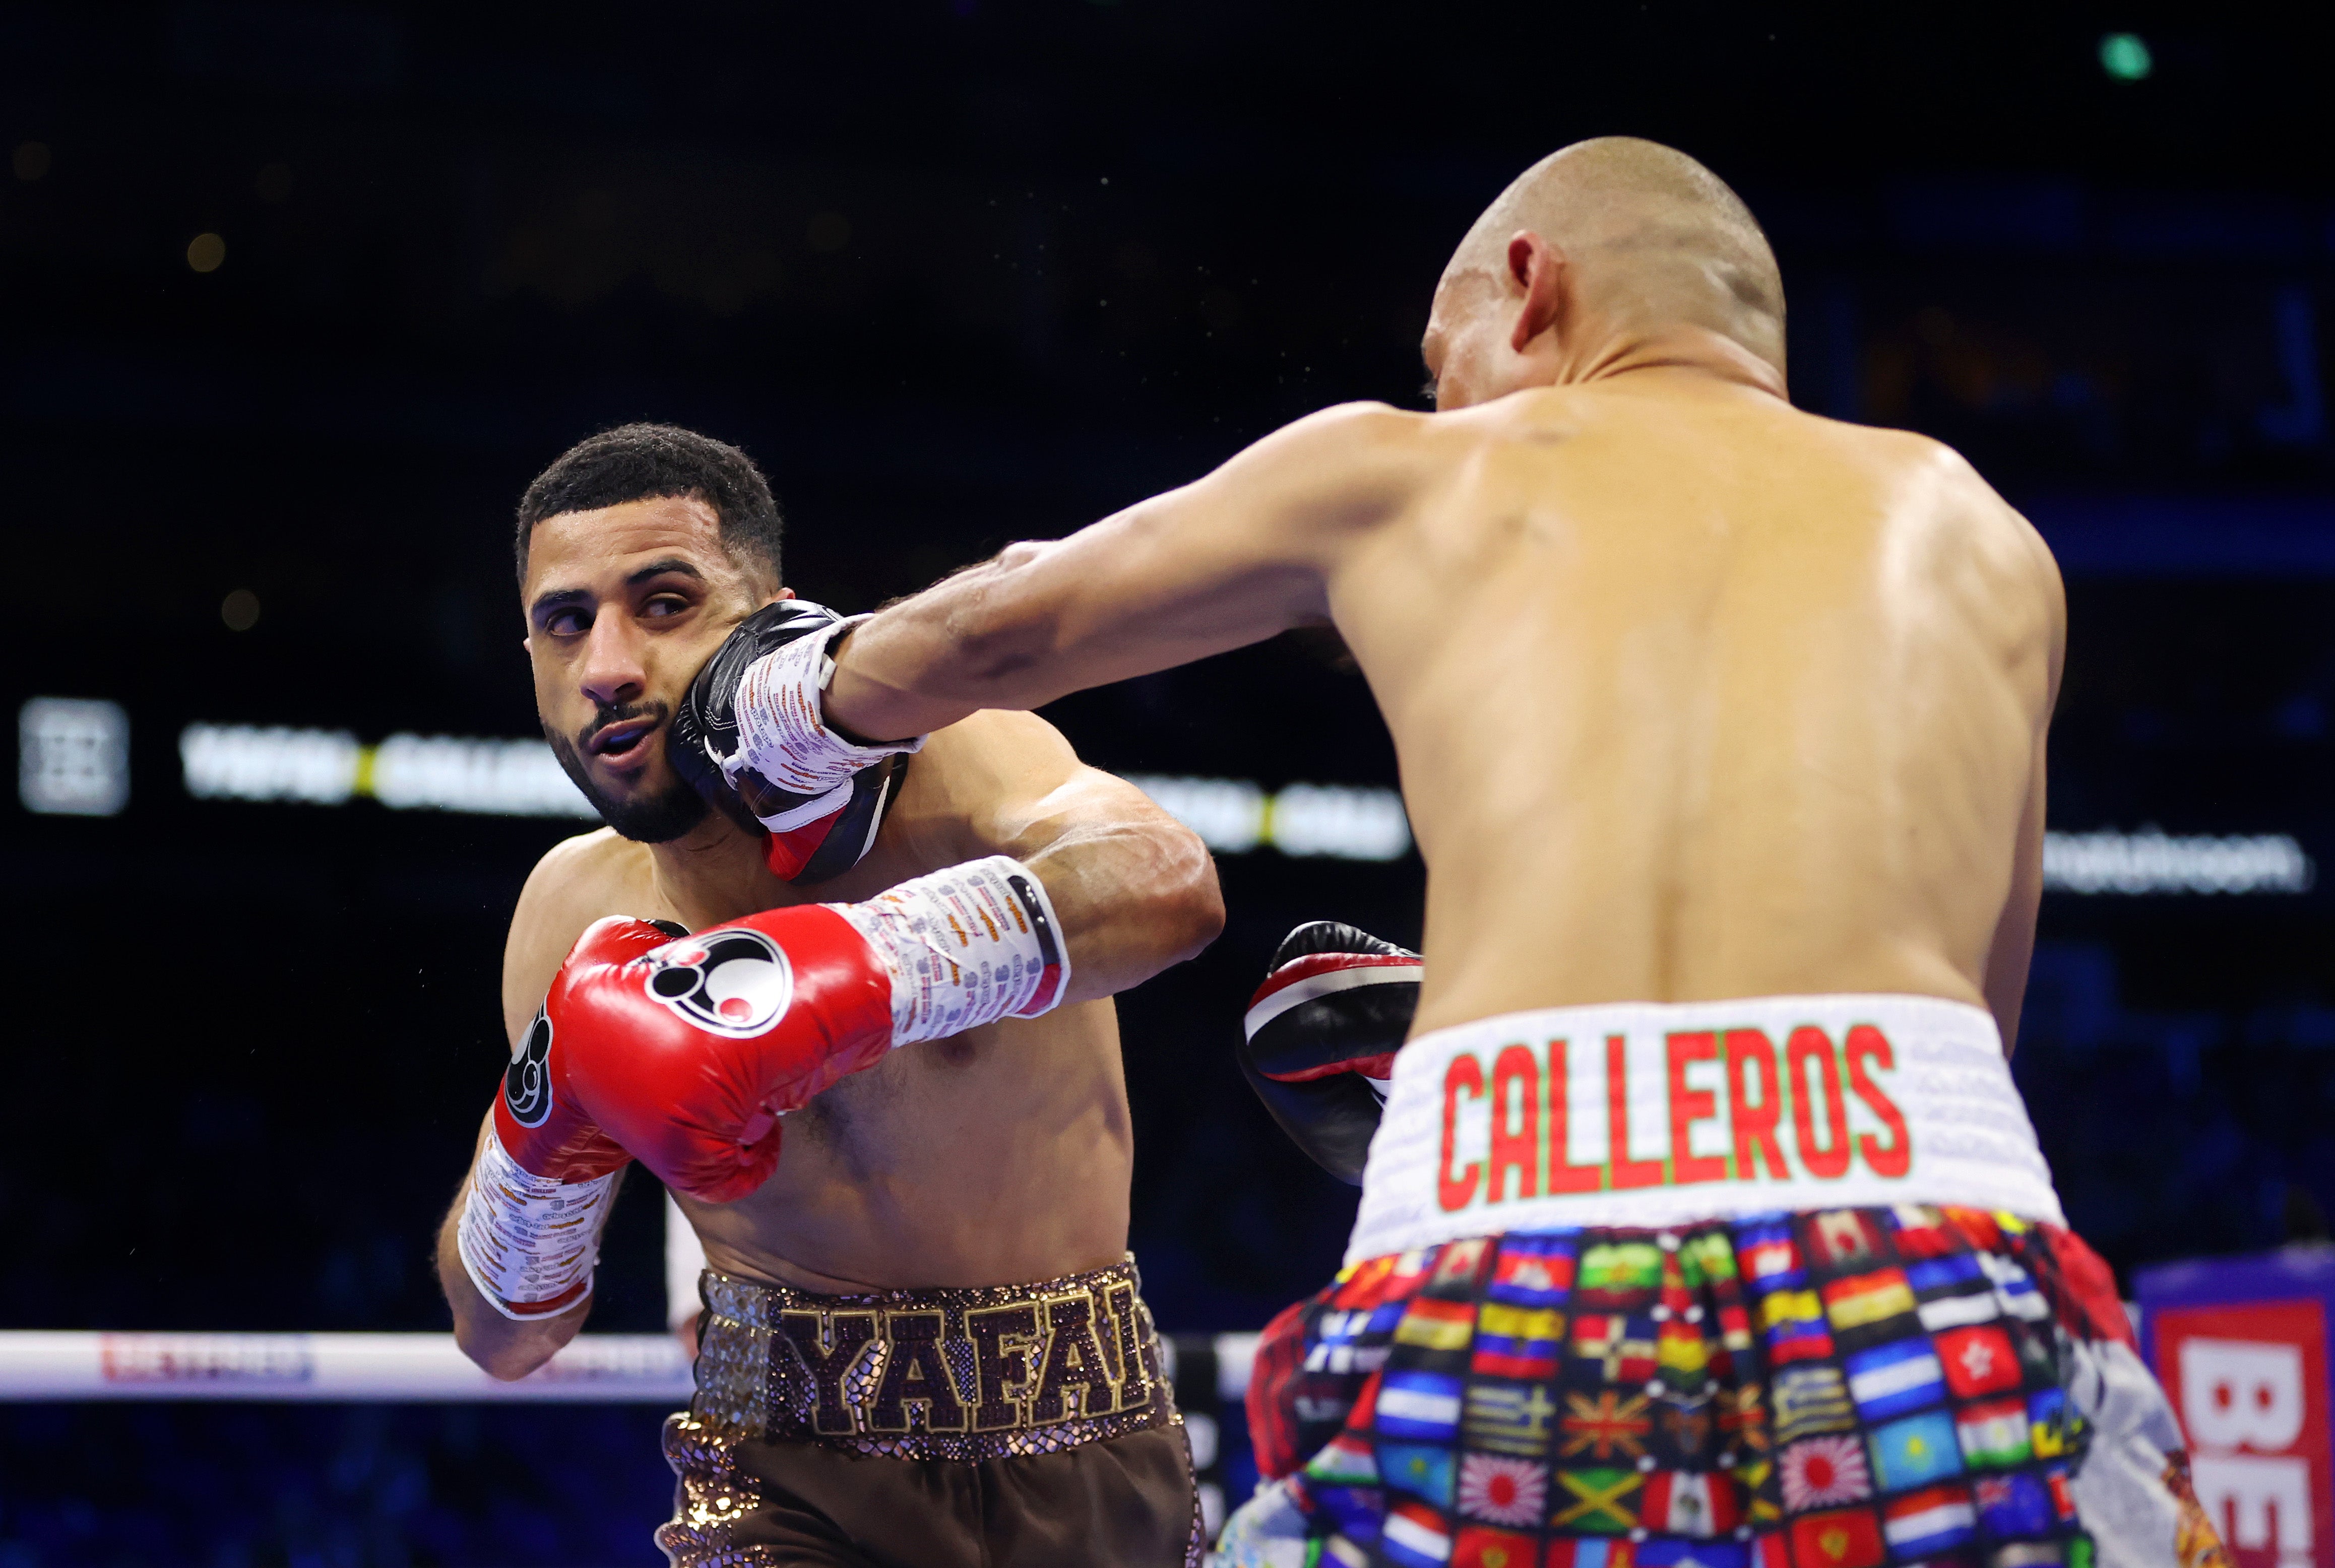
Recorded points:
(783, 734)
(964, 947)
(531, 1243)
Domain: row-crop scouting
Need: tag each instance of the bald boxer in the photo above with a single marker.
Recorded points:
(1704, 1224)
(860, 1024)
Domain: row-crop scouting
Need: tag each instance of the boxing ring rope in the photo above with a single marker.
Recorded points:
(419, 1368)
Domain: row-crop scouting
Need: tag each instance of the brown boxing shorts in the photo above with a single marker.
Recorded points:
(999, 1426)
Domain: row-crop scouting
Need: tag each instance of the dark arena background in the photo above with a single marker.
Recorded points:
(295, 299)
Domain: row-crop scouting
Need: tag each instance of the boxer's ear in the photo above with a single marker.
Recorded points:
(1537, 268)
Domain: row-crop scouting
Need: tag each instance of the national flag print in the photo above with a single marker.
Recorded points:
(1338, 1552)
(1951, 1276)
(1682, 1351)
(2063, 1500)
(1354, 1512)
(1590, 1552)
(1862, 1301)
(1978, 1361)
(1796, 1327)
(1994, 1434)
(1921, 1232)
(1771, 1551)
(1418, 1404)
(1760, 1504)
(1477, 1547)
(1456, 1267)
(1534, 1269)
(1742, 1417)
(2016, 1287)
(1894, 1379)
(1824, 1473)
(1617, 1273)
(1510, 1418)
(1365, 1285)
(1843, 1538)
(1811, 1400)
(1696, 1503)
(1770, 1258)
(1345, 1460)
(2011, 1506)
(1597, 1502)
(1844, 1238)
(1915, 1451)
(1517, 1341)
(1620, 1348)
(1422, 1469)
(2046, 1423)
(2035, 1555)
(1608, 1426)
(1502, 1491)
(1959, 1311)
(1707, 1258)
(1416, 1537)
(1938, 1520)
(1437, 1325)
(1675, 1553)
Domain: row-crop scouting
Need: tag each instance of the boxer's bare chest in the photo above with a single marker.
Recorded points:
(999, 1154)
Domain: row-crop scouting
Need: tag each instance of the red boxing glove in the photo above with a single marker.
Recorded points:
(688, 1050)
(545, 1176)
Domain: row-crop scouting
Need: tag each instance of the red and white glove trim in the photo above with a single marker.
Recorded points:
(531, 1243)
(964, 947)
(782, 731)
(1319, 974)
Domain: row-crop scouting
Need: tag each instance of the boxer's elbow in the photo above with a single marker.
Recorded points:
(1187, 905)
(505, 1351)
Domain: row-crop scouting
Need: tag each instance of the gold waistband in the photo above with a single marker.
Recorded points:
(964, 1374)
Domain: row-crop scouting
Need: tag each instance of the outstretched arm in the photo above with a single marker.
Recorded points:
(1247, 552)
(1135, 889)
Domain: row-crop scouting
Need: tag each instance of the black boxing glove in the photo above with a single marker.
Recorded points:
(750, 737)
(1321, 1036)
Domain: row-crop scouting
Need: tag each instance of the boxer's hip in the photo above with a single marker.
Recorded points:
(854, 1420)
(1654, 1114)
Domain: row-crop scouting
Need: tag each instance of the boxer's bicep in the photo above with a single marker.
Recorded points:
(1134, 889)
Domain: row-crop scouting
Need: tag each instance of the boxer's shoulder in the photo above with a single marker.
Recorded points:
(576, 882)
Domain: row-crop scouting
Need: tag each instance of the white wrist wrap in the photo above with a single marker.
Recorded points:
(965, 946)
(531, 1243)
(782, 731)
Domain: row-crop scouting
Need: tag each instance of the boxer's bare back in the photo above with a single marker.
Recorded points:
(1695, 696)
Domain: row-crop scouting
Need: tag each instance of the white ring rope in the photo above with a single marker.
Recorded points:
(381, 1369)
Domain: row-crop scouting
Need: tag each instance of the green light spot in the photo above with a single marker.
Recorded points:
(2125, 57)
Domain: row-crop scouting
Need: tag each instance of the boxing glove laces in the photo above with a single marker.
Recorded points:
(1320, 1037)
(684, 1050)
(750, 736)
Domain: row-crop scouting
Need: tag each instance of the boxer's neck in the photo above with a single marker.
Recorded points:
(1679, 347)
(715, 872)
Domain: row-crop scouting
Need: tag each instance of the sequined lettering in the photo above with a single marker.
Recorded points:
(829, 1355)
(916, 1373)
(1074, 1363)
(1004, 1337)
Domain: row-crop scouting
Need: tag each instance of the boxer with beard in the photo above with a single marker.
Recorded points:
(1704, 1224)
(923, 1340)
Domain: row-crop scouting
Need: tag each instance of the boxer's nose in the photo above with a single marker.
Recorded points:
(613, 670)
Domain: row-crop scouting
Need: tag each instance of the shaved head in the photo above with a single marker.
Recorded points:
(1652, 239)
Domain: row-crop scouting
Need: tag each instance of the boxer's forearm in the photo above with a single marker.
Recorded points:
(504, 1347)
(1134, 889)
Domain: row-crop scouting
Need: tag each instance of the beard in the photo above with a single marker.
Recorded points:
(647, 818)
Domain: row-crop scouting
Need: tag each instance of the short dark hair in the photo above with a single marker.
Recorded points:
(639, 462)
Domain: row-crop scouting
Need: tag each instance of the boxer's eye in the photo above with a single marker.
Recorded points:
(663, 607)
(567, 623)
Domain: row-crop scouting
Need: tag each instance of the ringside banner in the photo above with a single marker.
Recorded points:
(2240, 1346)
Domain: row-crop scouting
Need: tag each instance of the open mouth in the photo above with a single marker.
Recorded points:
(621, 739)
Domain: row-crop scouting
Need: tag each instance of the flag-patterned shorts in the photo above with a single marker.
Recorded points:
(1850, 1389)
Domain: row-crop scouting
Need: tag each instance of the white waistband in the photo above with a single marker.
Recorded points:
(1661, 1113)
